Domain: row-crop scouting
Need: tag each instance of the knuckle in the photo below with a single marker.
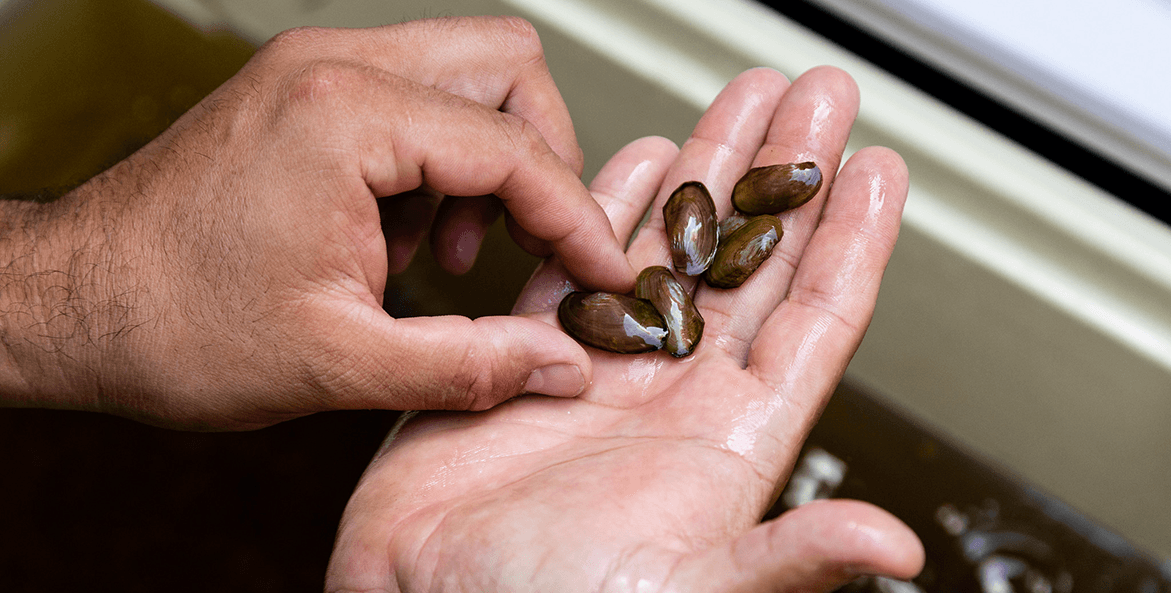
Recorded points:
(520, 34)
(335, 86)
(512, 35)
(522, 135)
(476, 383)
(293, 40)
(321, 80)
(305, 73)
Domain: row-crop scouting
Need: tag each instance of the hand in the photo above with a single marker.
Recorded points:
(655, 478)
(230, 274)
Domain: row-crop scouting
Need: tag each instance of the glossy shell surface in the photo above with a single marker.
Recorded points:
(684, 323)
(692, 228)
(776, 188)
(613, 322)
(731, 223)
(743, 251)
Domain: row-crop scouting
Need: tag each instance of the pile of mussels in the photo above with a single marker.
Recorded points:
(661, 314)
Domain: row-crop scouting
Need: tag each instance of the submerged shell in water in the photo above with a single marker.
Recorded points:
(776, 188)
(613, 322)
(692, 229)
(684, 323)
(742, 251)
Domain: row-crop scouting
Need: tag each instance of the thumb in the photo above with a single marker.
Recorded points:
(818, 546)
(448, 362)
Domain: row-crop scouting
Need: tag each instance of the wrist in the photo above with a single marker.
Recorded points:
(58, 306)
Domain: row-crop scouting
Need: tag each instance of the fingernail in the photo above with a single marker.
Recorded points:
(467, 247)
(560, 380)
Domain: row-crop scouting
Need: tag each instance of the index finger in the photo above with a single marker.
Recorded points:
(498, 62)
(413, 135)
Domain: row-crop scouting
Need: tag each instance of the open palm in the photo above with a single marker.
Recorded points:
(656, 477)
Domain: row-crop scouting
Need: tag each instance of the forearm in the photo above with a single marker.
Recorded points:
(58, 306)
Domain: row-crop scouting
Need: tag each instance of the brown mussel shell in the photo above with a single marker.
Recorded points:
(690, 219)
(776, 188)
(613, 322)
(743, 251)
(731, 223)
(684, 323)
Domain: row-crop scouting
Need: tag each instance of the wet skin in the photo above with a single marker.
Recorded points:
(655, 478)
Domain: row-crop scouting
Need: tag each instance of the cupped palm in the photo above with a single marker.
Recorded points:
(656, 477)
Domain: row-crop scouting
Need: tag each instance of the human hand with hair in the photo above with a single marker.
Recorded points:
(229, 275)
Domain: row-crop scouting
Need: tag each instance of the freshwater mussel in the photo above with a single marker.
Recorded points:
(684, 323)
(661, 314)
(743, 250)
(731, 223)
(689, 217)
(776, 188)
(613, 322)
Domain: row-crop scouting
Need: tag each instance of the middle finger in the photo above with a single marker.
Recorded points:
(718, 152)
(812, 123)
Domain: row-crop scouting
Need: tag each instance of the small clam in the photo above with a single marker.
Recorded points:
(692, 229)
(776, 188)
(613, 322)
(684, 323)
(731, 223)
(743, 251)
